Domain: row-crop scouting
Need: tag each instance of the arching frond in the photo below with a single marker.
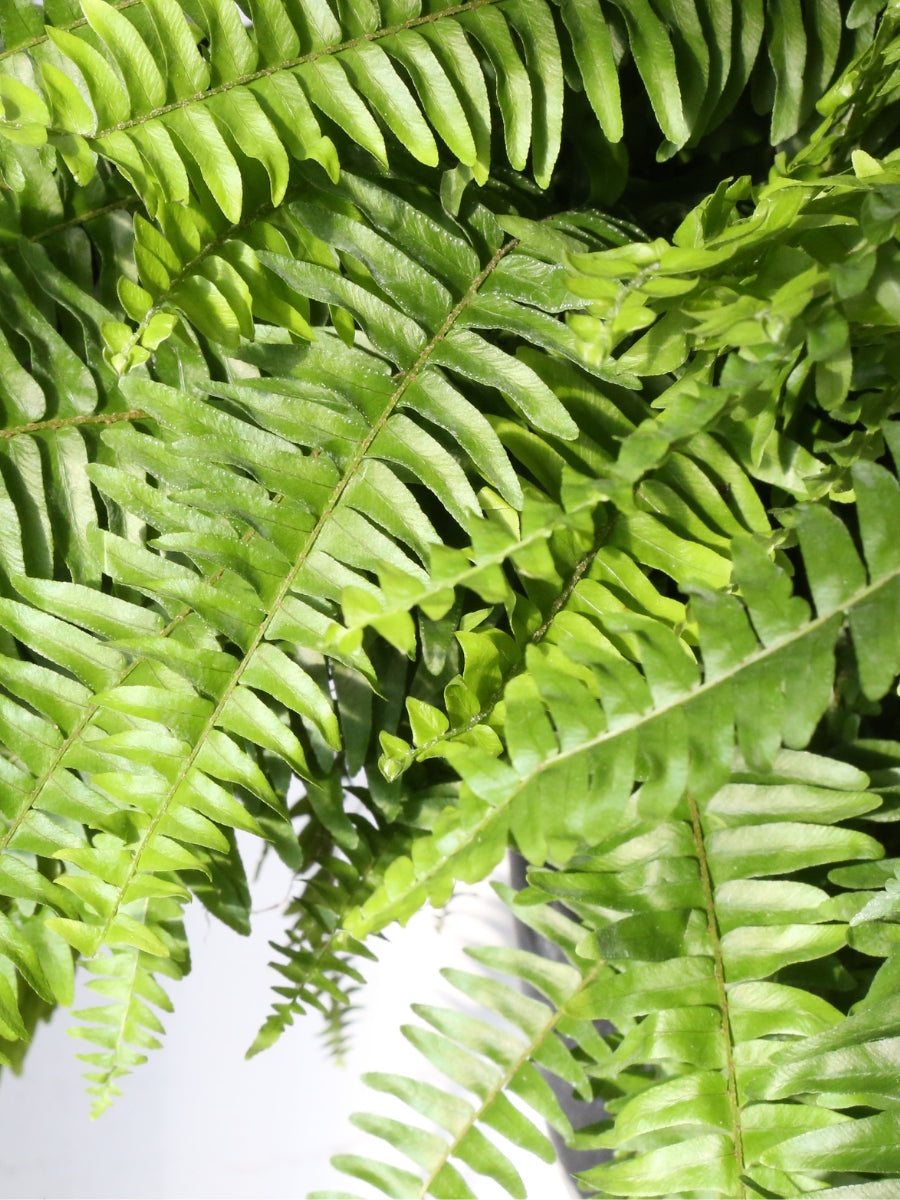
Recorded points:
(675, 930)
(274, 553)
(628, 702)
(186, 101)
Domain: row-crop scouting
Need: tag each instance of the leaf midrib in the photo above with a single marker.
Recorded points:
(52, 424)
(712, 924)
(40, 38)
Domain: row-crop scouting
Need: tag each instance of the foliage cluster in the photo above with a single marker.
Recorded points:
(485, 413)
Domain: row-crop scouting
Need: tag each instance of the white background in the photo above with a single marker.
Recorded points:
(198, 1120)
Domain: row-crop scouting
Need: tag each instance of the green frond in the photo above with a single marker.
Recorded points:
(165, 734)
(683, 937)
(57, 393)
(346, 440)
(488, 1061)
(630, 702)
(189, 103)
(748, 986)
(320, 959)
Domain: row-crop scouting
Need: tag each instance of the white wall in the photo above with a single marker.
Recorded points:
(198, 1121)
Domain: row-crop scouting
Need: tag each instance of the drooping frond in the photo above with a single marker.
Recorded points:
(319, 966)
(628, 701)
(161, 731)
(683, 937)
(124, 1025)
(188, 102)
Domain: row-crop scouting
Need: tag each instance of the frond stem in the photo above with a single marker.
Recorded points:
(40, 38)
(55, 423)
(574, 579)
(712, 925)
(124, 203)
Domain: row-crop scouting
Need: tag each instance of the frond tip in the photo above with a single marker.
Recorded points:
(125, 1024)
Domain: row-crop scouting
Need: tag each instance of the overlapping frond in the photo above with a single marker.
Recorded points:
(496, 1070)
(188, 102)
(782, 357)
(178, 122)
(627, 701)
(683, 936)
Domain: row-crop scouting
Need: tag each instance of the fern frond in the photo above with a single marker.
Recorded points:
(205, 126)
(163, 738)
(575, 729)
(746, 984)
(661, 942)
(487, 1062)
(319, 966)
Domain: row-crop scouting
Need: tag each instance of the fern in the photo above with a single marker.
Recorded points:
(490, 1062)
(176, 123)
(385, 405)
(319, 964)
